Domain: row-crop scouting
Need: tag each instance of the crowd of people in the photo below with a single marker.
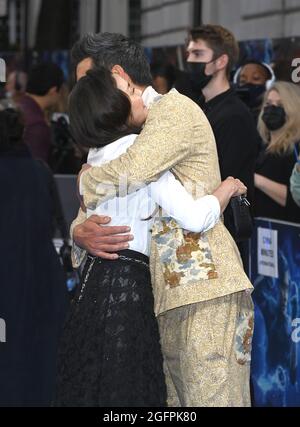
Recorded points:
(163, 315)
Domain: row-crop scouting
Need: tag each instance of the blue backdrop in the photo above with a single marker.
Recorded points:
(276, 343)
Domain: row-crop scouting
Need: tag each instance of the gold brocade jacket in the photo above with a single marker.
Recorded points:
(185, 267)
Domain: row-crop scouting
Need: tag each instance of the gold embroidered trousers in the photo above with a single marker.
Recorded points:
(207, 352)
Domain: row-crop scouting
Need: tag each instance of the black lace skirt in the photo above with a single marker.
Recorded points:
(110, 353)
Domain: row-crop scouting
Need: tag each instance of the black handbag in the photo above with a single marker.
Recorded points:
(242, 219)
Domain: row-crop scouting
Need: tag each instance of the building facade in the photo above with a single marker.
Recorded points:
(165, 22)
(156, 23)
(255, 19)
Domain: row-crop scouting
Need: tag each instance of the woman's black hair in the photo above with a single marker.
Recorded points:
(11, 129)
(99, 111)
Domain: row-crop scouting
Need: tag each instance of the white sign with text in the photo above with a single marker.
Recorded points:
(267, 252)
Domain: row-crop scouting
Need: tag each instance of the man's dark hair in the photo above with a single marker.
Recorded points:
(43, 77)
(109, 49)
(99, 112)
(220, 40)
(11, 129)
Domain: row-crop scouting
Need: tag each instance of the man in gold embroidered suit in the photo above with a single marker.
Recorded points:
(202, 295)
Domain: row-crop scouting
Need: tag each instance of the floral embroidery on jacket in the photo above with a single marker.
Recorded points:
(244, 336)
(186, 257)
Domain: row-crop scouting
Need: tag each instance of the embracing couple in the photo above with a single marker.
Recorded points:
(168, 319)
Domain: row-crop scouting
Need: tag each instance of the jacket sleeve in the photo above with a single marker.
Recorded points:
(197, 216)
(78, 254)
(165, 141)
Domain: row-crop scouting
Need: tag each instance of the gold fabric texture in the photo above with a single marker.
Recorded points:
(177, 136)
(205, 315)
(78, 255)
(202, 346)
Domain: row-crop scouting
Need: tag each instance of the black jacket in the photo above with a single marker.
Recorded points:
(278, 168)
(33, 292)
(237, 141)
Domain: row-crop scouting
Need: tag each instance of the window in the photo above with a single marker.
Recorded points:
(135, 19)
(197, 13)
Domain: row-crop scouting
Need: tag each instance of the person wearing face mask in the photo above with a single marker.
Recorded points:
(252, 81)
(212, 53)
(279, 128)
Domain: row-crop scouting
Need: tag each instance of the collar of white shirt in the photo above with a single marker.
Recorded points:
(150, 96)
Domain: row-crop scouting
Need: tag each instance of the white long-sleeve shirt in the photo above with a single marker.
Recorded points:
(133, 209)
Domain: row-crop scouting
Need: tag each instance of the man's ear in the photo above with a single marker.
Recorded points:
(83, 67)
(222, 62)
(117, 69)
(52, 91)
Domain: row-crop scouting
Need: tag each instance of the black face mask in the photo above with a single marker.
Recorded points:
(274, 117)
(196, 73)
(251, 94)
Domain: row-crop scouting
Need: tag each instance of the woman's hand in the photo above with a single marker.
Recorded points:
(229, 188)
(233, 186)
(239, 187)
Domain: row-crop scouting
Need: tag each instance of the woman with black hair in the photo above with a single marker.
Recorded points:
(110, 352)
(33, 293)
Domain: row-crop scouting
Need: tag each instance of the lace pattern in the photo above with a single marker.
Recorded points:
(110, 352)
